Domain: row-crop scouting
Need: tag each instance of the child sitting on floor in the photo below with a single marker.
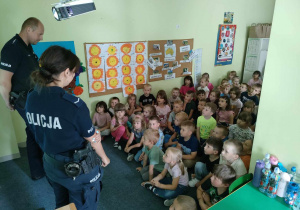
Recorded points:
(170, 187)
(147, 97)
(188, 85)
(183, 202)
(131, 106)
(209, 85)
(172, 140)
(255, 78)
(203, 82)
(175, 96)
(188, 143)
(244, 87)
(177, 107)
(235, 102)
(188, 104)
(148, 112)
(246, 154)
(112, 103)
(220, 132)
(249, 107)
(162, 108)
(241, 130)
(224, 114)
(102, 118)
(212, 192)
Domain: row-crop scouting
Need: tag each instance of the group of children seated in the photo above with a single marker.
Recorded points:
(208, 132)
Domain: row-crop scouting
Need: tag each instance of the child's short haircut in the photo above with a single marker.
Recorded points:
(249, 104)
(225, 173)
(114, 98)
(246, 117)
(151, 135)
(190, 92)
(213, 107)
(202, 100)
(186, 202)
(188, 124)
(179, 102)
(256, 72)
(162, 94)
(182, 116)
(257, 85)
(101, 104)
(216, 143)
(175, 88)
(224, 129)
(151, 109)
(224, 81)
(154, 118)
(200, 92)
(237, 91)
(130, 96)
(147, 86)
(238, 146)
(119, 107)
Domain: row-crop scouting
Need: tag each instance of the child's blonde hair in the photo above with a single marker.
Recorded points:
(189, 124)
(236, 77)
(175, 89)
(130, 96)
(176, 156)
(186, 202)
(147, 86)
(140, 117)
(179, 102)
(223, 86)
(182, 116)
(238, 146)
(151, 109)
(151, 135)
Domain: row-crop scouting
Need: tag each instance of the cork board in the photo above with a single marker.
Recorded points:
(170, 59)
(113, 65)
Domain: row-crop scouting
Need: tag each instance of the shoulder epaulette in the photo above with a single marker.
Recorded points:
(73, 99)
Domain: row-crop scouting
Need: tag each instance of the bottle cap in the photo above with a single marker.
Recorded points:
(276, 170)
(267, 156)
(293, 169)
(268, 165)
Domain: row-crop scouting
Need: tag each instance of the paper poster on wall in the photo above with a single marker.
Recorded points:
(228, 17)
(225, 45)
(115, 64)
(170, 51)
(129, 89)
(197, 68)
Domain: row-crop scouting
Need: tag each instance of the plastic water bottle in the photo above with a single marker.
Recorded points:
(283, 183)
(267, 158)
(291, 193)
(293, 173)
(273, 183)
(257, 172)
(296, 205)
(265, 178)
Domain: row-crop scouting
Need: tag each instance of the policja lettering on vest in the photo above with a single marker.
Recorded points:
(41, 120)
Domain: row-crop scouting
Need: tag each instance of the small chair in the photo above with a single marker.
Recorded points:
(240, 182)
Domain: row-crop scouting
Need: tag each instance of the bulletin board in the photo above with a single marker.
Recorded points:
(115, 67)
(169, 59)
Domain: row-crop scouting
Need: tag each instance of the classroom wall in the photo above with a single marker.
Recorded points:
(278, 116)
(138, 20)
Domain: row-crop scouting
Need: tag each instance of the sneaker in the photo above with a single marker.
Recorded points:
(116, 144)
(193, 182)
(148, 186)
(119, 148)
(168, 202)
(130, 157)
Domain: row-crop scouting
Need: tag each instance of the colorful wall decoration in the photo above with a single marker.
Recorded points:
(113, 67)
(225, 45)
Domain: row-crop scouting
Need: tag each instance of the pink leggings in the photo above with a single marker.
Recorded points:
(119, 133)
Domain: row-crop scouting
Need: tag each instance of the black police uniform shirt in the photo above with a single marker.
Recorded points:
(18, 58)
(59, 120)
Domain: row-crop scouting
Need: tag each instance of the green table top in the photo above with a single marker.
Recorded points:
(249, 197)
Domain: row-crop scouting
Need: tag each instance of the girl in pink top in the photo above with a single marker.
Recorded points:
(162, 108)
(188, 85)
(255, 79)
(102, 118)
(209, 85)
(225, 115)
(118, 125)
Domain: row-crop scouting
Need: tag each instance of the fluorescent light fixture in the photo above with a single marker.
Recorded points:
(71, 8)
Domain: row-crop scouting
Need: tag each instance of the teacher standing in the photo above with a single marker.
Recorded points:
(62, 126)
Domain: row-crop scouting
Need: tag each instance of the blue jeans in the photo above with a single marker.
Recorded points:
(169, 194)
(138, 154)
(84, 191)
(166, 140)
(200, 170)
(34, 152)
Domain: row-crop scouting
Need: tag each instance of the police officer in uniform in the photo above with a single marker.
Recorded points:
(17, 62)
(63, 128)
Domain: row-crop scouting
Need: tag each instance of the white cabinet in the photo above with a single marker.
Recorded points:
(256, 56)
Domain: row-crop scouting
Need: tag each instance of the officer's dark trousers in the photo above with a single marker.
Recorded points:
(34, 152)
(84, 191)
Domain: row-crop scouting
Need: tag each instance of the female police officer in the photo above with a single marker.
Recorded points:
(62, 127)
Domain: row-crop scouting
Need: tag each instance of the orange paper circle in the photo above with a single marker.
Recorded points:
(97, 73)
(140, 69)
(129, 89)
(95, 61)
(113, 82)
(126, 70)
(139, 47)
(140, 79)
(94, 50)
(98, 86)
(126, 48)
(112, 50)
(127, 80)
(112, 72)
(139, 58)
(112, 61)
(126, 59)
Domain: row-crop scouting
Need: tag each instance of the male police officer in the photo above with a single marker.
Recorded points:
(16, 64)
